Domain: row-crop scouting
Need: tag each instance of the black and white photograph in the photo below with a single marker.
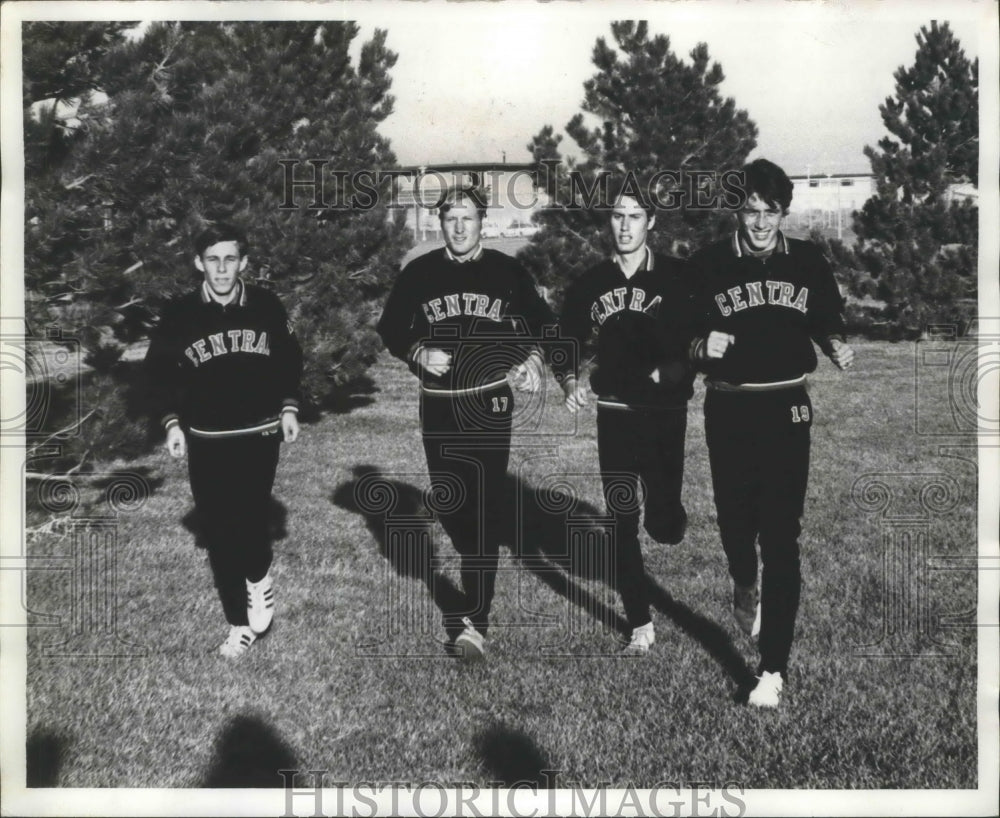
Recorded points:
(500, 408)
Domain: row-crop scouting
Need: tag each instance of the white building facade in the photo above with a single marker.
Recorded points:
(828, 200)
(512, 196)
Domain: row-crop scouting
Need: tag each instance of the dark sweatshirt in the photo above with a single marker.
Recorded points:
(486, 312)
(230, 367)
(632, 328)
(774, 307)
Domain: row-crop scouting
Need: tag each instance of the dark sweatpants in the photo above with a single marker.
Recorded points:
(758, 447)
(644, 445)
(231, 480)
(467, 442)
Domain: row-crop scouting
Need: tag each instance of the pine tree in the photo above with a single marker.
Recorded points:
(62, 67)
(197, 119)
(62, 60)
(654, 112)
(915, 238)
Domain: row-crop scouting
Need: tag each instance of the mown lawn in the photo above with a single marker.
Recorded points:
(353, 679)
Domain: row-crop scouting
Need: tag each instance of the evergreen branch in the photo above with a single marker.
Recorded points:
(564, 209)
(54, 435)
(161, 67)
(79, 465)
(79, 182)
(73, 472)
(133, 300)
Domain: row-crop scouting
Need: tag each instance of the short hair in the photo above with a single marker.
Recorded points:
(769, 182)
(221, 231)
(455, 194)
(633, 185)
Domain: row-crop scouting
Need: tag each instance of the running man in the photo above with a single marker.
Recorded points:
(764, 300)
(635, 309)
(467, 320)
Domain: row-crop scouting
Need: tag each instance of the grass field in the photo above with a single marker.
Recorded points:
(352, 677)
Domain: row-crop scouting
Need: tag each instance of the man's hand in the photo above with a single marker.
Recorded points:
(436, 361)
(526, 377)
(718, 343)
(842, 355)
(289, 426)
(576, 394)
(176, 443)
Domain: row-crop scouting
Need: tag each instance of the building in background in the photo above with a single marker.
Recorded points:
(513, 198)
(826, 201)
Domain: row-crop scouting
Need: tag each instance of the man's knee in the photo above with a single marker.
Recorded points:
(667, 524)
(779, 551)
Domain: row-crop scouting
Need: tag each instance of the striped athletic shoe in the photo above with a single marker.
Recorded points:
(260, 604)
(470, 643)
(238, 642)
(641, 641)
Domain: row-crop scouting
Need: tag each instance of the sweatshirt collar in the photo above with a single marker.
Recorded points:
(241, 299)
(647, 265)
(475, 255)
(740, 248)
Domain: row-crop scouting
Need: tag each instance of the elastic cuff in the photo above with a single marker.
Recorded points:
(411, 355)
(169, 421)
(826, 344)
(290, 408)
(697, 349)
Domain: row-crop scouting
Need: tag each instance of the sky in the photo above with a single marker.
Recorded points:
(474, 82)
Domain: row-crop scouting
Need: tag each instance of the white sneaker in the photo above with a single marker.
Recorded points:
(260, 604)
(642, 640)
(238, 642)
(767, 693)
(470, 643)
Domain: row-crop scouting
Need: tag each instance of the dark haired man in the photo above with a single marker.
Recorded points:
(764, 299)
(224, 368)
(634, 310)
(467, 321)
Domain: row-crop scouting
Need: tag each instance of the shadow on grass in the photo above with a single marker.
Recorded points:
(94, 493)
(387, 504)
(511, 756)
(122, 481)
(249, 753)
(44, 753)
(540, 543)
(342, 399)
(587, 556)
(543, 546)
(709, 634)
